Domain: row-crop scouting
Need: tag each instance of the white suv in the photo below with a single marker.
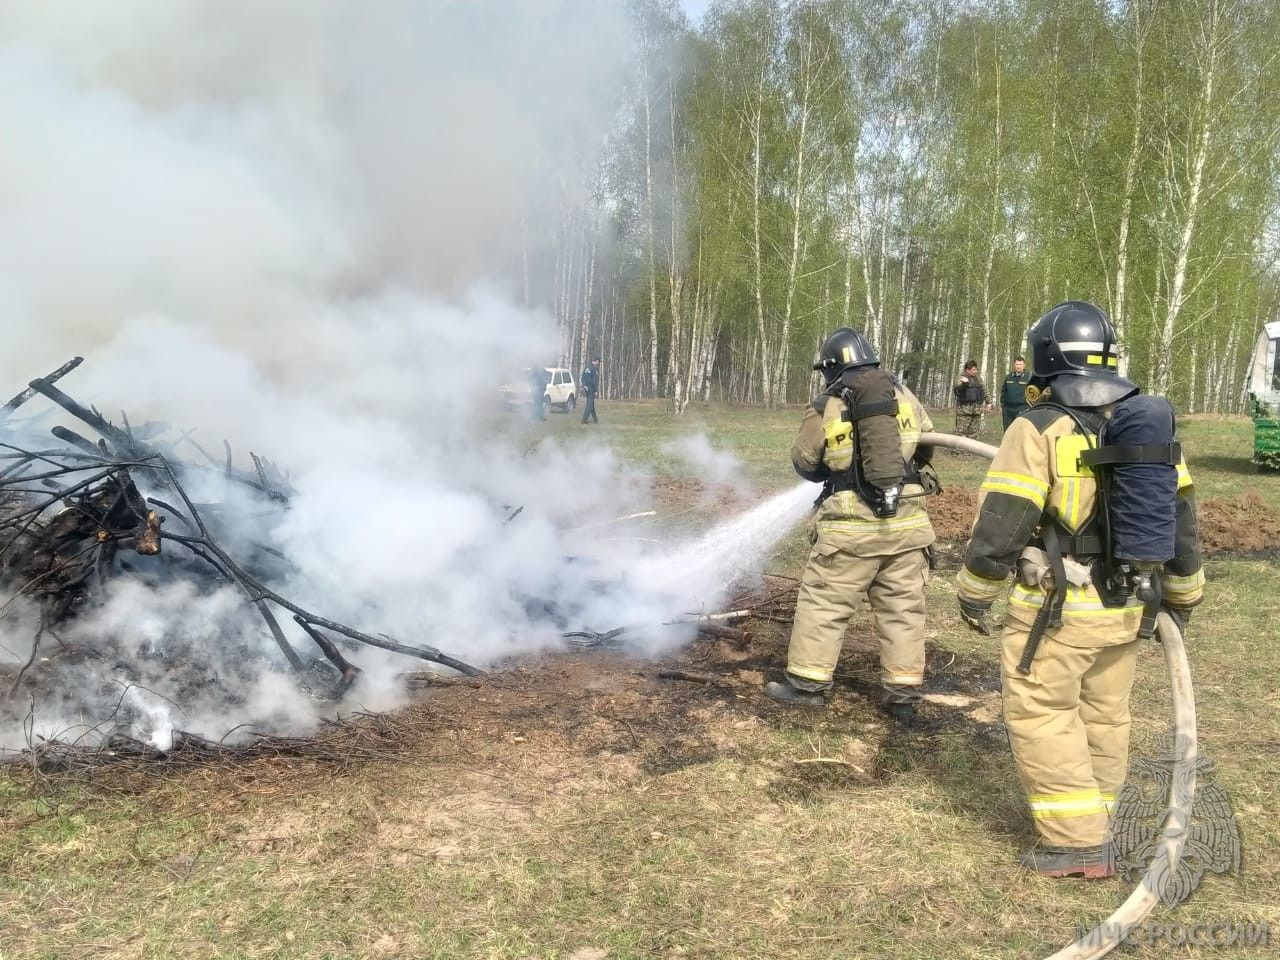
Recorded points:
(561, 392)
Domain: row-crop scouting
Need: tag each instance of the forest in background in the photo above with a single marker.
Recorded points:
(935, 173)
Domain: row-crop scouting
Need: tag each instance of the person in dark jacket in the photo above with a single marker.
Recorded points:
(1013, 392)
(538, 380)
(590, 387)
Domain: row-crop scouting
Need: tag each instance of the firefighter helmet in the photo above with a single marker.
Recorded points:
(1073, 351)
(844, 349)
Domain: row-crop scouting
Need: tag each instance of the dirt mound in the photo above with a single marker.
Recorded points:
(952, 512)
(1244, 524)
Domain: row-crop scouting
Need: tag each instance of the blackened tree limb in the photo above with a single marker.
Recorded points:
(273, 625)
(36, 581)
(194, 544)
(35, 649)
(21, 398)
(117, 437)
(349, 670)
(262, 592)
(73, 438)
(33, 513)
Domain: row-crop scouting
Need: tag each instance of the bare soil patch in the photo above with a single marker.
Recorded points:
(951, 512)
(1243, 524)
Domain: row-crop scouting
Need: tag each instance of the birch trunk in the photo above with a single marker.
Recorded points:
(1177, 284)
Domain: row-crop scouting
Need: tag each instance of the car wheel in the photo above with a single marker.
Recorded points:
(573, 402)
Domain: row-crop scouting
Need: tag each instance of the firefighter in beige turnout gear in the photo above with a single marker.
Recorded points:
(869, 533)
(1068, 714)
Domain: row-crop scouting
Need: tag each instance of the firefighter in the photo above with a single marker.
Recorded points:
(1071, 631)
(1013, 392)
(870, 531)
(972, 400)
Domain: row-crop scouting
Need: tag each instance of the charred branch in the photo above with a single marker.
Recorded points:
(19, 399)
(69, 515)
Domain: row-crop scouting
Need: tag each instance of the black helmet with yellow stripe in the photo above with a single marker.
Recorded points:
(844, 349)
(1073, 352)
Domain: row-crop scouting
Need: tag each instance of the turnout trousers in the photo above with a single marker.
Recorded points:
(833, 585)
(1068, 723)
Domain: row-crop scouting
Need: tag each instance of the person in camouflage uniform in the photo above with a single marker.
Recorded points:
(972, 399)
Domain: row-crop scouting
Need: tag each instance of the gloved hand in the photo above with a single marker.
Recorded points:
(974, 613)
(1180, 615)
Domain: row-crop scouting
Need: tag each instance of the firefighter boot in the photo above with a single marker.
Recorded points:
(1092, 863)
(792, 696)
(903, 714)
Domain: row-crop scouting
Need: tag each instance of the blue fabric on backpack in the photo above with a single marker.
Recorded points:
(1143, 496)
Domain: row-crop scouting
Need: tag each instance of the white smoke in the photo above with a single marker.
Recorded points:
(715, 468)
(296, 226)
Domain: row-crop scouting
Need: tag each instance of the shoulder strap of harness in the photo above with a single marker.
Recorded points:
(1165, 454)
(853, 411)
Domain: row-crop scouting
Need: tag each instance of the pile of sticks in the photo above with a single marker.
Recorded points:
(74, 521)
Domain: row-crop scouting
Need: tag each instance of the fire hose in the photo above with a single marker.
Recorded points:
(1112, 931)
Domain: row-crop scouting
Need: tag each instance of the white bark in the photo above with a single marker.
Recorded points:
(1191, 211)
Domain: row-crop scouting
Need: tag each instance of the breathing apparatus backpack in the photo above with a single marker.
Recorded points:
(1134, 458)
(863, 446)
(1136, 462)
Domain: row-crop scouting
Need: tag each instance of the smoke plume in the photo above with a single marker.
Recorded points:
(298, 226)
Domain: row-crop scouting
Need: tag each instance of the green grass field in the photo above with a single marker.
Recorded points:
(584, 809)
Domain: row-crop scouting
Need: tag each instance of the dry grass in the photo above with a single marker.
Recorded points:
(583, 808)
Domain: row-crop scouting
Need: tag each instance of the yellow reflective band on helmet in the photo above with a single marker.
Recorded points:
(1016, 485)
(970, 584)
(1066, 455)
(1094, 359)
(1184, 476)
(1112, 362)
(846, 354)
(1082, 803)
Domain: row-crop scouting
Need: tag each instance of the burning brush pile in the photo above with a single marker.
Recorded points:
(92, 521)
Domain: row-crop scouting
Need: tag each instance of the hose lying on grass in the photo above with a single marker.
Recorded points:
(1112, 931)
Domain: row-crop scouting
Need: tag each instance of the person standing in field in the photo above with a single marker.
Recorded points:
(590, 387)
(1089, 506)
(1013, 392)
(870, 532)
(538, 380)
(971, 400)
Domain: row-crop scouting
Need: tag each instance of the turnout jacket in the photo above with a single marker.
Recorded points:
(1035, 478)
(843, 520)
